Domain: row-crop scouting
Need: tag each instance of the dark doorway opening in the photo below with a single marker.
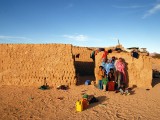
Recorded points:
(84, 71)
(155, 77)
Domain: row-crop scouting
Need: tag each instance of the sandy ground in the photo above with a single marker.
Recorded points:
(32, 103)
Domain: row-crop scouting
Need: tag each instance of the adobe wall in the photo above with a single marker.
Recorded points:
(29, 64)
(156, 64)
(139, 71)
(83, 63)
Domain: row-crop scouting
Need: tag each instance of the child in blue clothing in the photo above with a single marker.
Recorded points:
(109, 64)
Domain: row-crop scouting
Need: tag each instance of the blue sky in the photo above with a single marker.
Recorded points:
(97, 23)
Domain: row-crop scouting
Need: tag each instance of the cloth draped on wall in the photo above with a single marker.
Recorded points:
(104, 56)
(135, 54)
(93, 55)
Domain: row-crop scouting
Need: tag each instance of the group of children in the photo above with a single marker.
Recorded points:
(112, 75)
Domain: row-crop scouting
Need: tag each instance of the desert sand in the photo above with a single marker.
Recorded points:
(17, 102)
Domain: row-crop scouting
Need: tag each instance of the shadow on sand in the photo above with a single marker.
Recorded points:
(101, 99)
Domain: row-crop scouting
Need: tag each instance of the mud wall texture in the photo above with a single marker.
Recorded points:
(83, 63)
(156, 64)
(139, 71)
(29, 64)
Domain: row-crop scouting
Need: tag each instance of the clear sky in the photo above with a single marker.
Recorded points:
(98, 23)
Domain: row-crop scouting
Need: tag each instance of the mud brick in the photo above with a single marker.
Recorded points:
(29, 61)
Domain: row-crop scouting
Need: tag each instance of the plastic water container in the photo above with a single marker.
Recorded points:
(79, 106)
(85, 103)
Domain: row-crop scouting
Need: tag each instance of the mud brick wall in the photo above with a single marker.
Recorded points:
(29, 64)
(83, 63)
(156, 64)
(139, 71)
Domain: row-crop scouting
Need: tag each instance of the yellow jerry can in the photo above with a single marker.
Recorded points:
(79, 106)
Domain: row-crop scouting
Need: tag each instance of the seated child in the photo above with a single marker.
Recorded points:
(123, 90)
(104, 82)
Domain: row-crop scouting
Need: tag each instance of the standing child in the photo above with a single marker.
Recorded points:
(104, 82)
(100, 77)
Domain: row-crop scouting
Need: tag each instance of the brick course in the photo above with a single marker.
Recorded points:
(29, 64)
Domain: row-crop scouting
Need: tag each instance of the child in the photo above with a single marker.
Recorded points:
(111, 75)
(110, 65)
(100, 77)
(123, 90)
(104, 82)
